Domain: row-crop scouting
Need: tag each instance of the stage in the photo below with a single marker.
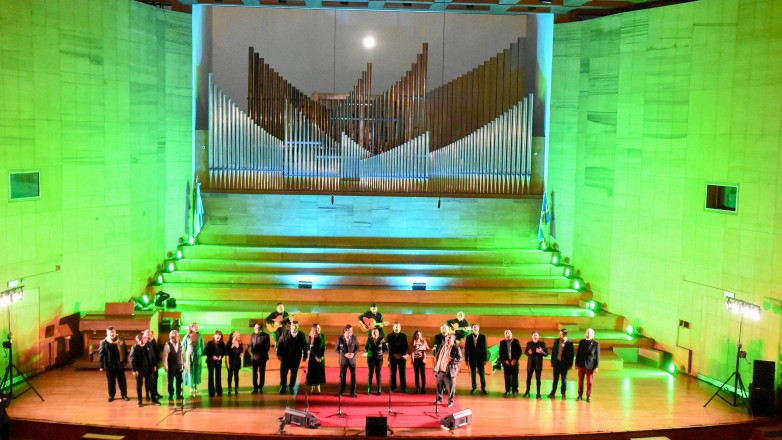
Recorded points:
(637, 399)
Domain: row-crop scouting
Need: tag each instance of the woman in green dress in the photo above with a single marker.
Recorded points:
(194, 349)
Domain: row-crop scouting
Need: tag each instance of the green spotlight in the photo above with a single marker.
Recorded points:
(191, 241)
(591, 305)
(171, 267)
(554, 260)
(179, 254)
(543, 245)
(671, 368)
(159, 279)
(145, 299)
(567, 272)
(576, 285)
(630, 329)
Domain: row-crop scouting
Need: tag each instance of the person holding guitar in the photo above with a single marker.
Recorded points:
(277, 320)
(372, 319)
(459, 326)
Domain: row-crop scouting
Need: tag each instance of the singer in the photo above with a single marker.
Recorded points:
(347, 347)
(316, 366)
(374, 347)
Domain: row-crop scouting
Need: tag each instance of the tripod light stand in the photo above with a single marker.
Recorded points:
(751, 310)
(9, 297)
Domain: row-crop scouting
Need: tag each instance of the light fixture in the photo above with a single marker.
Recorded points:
(159, 278)
(567, 272)
(555, 260)
(304, 284)
(743, 308)
(369, 43)
(161, 298)
(576, 284)
(419, 286)
(630, 329)
(191, 241)
(671, 368)
(179, 254)
(170, 266)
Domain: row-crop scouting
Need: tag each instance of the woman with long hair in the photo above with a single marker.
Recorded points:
(233, 359)
(316, 365)
(420, 347)
(194, 349)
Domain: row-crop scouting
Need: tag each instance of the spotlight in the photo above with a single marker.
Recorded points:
(179, 254)
(304, 284)
(743, 308)
(145, 299)
(191, 241)
(576, 284)
(567, 272)
(170, 266)
(159, 279)
(630, 329)
(419, 286)
(160, 298)
(671, 368)
(171, 303)
(555, 260)
(544, 2)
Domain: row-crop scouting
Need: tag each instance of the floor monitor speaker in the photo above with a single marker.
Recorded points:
(377, 426)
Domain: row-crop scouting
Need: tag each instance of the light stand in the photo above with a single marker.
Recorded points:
(9, 296)
(743, 308)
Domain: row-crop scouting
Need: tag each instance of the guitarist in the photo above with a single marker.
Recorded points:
(459, 326)
(372, 319)
(278, 319)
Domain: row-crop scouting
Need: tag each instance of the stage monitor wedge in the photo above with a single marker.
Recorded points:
(457, 419)
(300, 418)
(377, 426)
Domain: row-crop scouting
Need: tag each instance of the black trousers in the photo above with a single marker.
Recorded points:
(146, 380)
(114, 377)
(536, 369)
(477, 369)
(374, 366)
(560, 372)
(511, 377)
(215, 378)
(401, 365)
(233, 373)
(259, 374)
(343, 373)
(419, 370)
(289, 366)
(175, 377)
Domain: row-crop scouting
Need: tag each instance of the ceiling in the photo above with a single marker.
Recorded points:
(564, 10)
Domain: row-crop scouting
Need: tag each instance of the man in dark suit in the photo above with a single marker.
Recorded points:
(292, 348)
(259, 348)
(587, 360)
(509, 354)
(109, 361)
(347, 347)
(476, 354)
(173, 362)
(446, 366)
(152, 347)
(142, 364)
(561, 361)
(397, 356)
(535, 350)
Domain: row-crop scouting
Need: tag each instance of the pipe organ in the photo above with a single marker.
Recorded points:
(472, 135)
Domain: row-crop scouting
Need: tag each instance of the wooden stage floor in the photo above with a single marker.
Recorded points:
(637, 398)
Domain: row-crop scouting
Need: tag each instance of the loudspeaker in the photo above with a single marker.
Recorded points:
(761, 401)
(300, 418)
(457, 419)
(377, 427)
(763, 375)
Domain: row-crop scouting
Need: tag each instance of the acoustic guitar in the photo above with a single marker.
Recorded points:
(454, 327)
(277, 322)
(368, 324)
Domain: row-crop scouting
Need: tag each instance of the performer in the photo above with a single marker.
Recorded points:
(259, 348)
(142, 365)
(233, 360)
(476, 353)
(278, 320)
(459, 326)
(562, 361)
(420, 347)
(152, 347)
(587, 360)
(535, 350)
(374, 347)
(109, 361)
(316, 366)
(347, 347)
(446, 367)
(214, 352)
(440, 339)
(397, 356)
(292, 348)
(173, 363)
(372, 319)
(510, 352)
(194, 349)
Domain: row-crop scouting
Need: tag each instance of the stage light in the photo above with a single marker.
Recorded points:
(671, 368)
(159, 279)
(179, 254)
(630, 329)
(145, 299)
(743, 308)
(160, 298)
(419, 286)
(191, 241)
(555, 260)
(576, 285)
(170, 266)
(304, 284)
(369, 42)
(567, 271)
(543, 245)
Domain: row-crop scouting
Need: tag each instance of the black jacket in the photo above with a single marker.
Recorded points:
(475, 353)
(142, 361)
(259, 345)
(515, 351)
(109, 357)
(214, 349)
(292, 348)
(397, 345)
(567, 354)
(588, 354)
(535, 359)
(349, 346)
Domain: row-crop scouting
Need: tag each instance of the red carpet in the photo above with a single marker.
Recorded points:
(412, 410)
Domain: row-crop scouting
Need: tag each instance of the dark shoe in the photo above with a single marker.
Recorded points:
(450, 403)
(589, 399)
(260, 390)
(438, 400)
(484, 392)
(229, 391)
(125, 398)
(404, 390)
(282, 390)
(369, 390)
(472, 391)
(526, 394)
(140, 404)
(515, 394)
(170, 398)
(564, 397)
(111, 399)
(290, 389)
(578, 399)
(255, 391)
(378, 391)
(551, 396)
(159, 396)
(156, 402)
(507, 393)
(538, 397)
(423, 390)
(148, 399)
(354, 395)
(418, 390)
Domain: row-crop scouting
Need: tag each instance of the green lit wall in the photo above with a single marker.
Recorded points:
(647, 108)
(97, 95)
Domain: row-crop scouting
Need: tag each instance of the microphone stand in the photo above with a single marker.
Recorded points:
(390, 390)
(306, 393)
(340, 390)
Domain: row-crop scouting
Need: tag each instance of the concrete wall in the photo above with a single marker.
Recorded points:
(647, 108)
(97, 96)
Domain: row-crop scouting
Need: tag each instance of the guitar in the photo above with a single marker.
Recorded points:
(368, 324)
(454, 327)
(277, 322)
